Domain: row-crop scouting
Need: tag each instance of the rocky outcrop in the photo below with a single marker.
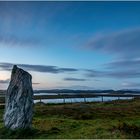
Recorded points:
(19, 100)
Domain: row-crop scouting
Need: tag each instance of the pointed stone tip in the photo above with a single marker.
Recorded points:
(14, 69)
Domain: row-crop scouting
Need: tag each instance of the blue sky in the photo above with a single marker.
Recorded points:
(76, 45)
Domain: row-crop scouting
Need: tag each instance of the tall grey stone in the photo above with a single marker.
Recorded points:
(19, 100)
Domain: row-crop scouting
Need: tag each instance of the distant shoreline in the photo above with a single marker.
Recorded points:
(110, 91)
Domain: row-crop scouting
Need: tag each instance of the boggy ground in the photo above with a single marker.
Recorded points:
(108, 120)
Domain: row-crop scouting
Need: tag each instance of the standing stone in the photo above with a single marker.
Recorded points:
(19, 100)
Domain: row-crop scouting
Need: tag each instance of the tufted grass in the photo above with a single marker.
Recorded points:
(108, 120)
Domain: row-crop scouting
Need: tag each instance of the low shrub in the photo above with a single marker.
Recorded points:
(130, 129)
(16, 134)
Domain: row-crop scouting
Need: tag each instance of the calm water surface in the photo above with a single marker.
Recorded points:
(74, 100)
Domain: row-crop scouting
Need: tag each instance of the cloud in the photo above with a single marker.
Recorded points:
(25, 23)
(124, 74)
(95, 73)
(35, 83)
(124, 64)
(38, 68)
(4, 81)
(113, 74)
(8, 80)
(130, 84)
(124, 68)
(124, 43)
(74, 79)
(15, 41)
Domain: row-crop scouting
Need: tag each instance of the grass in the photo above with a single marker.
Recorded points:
(108, 120)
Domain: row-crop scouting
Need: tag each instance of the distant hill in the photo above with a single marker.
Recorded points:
(110, 91)
(86, 91)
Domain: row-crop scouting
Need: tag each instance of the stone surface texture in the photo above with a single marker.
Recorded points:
(19, 100)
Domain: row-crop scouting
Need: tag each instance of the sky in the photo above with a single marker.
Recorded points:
(72, 45)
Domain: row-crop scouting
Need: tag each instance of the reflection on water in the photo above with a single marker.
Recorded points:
(76, 100)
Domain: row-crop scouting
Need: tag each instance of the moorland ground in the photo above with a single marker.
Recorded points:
(108, 120)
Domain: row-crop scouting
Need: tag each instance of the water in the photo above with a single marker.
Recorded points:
(76, 100)
(45, 94)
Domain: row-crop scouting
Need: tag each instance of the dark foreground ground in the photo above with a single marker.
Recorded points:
(109, 120)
